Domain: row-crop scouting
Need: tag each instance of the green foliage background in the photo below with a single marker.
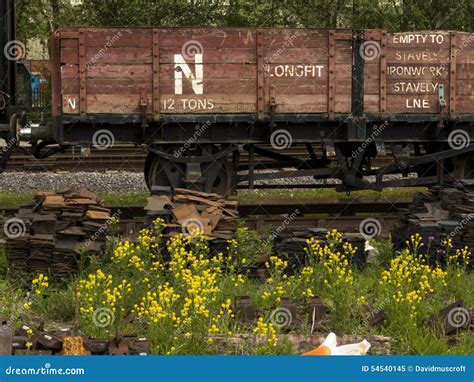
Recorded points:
(38, 18)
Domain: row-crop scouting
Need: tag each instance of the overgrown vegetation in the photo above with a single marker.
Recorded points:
(395, 16)
(179, 293)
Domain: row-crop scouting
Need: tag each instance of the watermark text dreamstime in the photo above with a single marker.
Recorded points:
(280, 51)
(281, 228)
(458, 229)
(109, 44)
(103, 228)
(199, 130)
(377, 130)
(44, 370)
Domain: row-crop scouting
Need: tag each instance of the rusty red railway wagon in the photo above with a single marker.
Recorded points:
(198, 97)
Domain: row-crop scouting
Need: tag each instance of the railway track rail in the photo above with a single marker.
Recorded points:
(249, 208)
(125, 158)
(292, 215)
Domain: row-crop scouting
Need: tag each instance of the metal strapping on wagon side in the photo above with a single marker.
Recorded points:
(82, 75)
(452, 74)
(156, 74)
(260, 75)
(383, 76)
(331, 74)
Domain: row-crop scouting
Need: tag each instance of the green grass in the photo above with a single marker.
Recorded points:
(111, 199)
(14, 199)
(116, 199)
(124, 199)
(328, 193)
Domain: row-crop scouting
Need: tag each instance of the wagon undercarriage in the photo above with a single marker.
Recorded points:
(198, 99)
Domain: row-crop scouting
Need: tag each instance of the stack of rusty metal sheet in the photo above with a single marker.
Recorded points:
(453, 319)
(63, 342)
(55, 229)
(185, 211)
(445, 212)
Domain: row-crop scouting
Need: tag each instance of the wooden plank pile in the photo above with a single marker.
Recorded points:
(53, 229)
(445, 212)
(186, 211)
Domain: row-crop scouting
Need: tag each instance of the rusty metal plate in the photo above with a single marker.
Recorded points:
(118, 347)
(6, 336)
(97, 346)
(245, 310)
(50, 340)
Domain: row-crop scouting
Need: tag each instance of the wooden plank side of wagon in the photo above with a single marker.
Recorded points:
(417, 68)
(236, 70)
(125, 67)
(296, 70)
(70, 80)
(119, 70)
(343, 72)
(105, 70)
(373, 52)
(462, 54)
(208, 71)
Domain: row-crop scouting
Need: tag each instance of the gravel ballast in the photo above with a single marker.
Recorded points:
(114, 181)
(125, 181)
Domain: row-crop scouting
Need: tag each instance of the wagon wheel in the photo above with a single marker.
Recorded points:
(224, 182)
(161, 172)
(154, 172)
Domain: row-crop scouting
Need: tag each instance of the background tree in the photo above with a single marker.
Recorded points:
(38, 18)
